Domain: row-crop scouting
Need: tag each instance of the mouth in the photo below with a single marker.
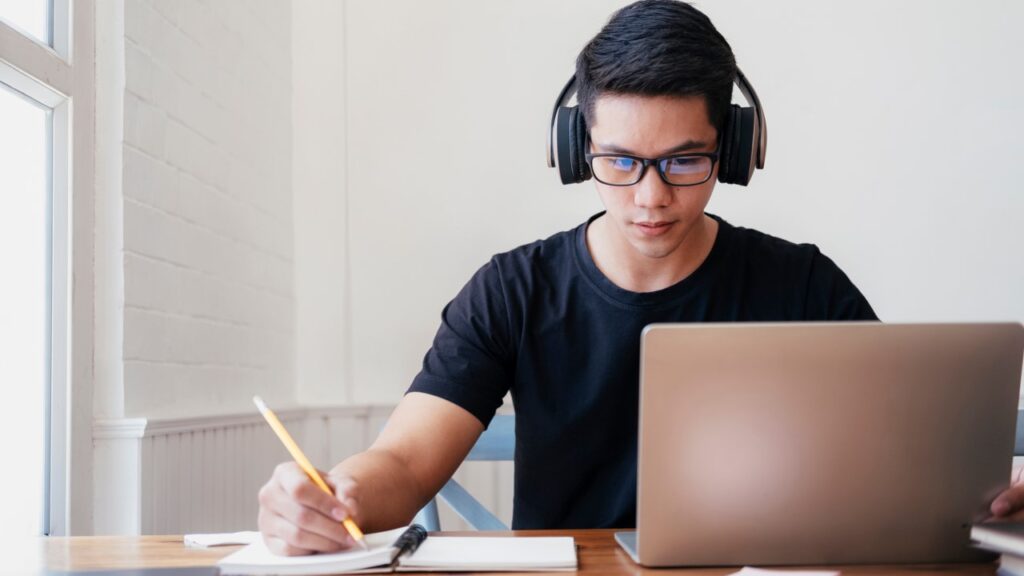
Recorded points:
(653, 228)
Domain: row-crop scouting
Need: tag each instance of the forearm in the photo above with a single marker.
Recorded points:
(388, 493)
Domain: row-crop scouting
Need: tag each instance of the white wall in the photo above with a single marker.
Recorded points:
(207, 243)
(447, 109)
(893, 147)
(319, 201)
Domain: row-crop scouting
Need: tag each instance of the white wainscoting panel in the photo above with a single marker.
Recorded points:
(203, 474)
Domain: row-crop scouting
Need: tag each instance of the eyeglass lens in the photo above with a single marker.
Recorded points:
(678, 170)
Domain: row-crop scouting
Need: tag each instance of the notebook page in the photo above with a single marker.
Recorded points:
(493, 553)
(256, 558)
(750, 571)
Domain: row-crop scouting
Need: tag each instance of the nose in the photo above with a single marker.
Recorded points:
(651, 191)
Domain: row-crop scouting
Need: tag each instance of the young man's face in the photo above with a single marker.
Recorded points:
(651, 217)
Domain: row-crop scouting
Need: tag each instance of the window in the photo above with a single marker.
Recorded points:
(24, 308)
(38, 176)
(28, 16)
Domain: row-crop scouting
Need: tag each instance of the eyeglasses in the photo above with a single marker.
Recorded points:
(677, 170)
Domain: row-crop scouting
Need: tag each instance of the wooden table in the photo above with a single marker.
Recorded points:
(598, 554)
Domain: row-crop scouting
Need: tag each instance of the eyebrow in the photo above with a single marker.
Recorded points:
(687, 146)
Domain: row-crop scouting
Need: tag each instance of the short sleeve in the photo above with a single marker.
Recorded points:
(831, 295)
(470, 362)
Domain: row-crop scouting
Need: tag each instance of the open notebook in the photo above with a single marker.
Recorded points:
(442, 553)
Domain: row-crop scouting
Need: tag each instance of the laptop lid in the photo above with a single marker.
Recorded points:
(822, 443)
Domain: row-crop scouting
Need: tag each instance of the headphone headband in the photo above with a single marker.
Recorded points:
(747, 89)
(563, 98)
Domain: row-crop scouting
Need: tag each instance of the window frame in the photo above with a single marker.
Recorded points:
(60, 77)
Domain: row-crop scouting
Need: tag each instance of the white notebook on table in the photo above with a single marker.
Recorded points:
(435, 553)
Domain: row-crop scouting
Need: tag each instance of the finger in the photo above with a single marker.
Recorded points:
(1009, 502)
(282, 548)
(297, 485)
(265, 521)
(297, 537)
(310, 519)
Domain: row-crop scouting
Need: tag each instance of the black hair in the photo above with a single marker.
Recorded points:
(657, 48)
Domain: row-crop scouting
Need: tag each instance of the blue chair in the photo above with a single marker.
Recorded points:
(1018, 448)
(497, 443)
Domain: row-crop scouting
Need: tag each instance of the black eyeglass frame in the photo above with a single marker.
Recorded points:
(656, 162)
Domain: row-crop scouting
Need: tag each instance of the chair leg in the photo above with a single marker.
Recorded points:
(467, 507)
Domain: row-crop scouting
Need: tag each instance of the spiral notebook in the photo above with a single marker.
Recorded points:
(391, 551)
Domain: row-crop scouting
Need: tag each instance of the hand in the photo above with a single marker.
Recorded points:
(297, 517)
(1009, 505)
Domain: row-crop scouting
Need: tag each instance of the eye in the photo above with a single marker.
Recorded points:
(685, 164)
(623, 164)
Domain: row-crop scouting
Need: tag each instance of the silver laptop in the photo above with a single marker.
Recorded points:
(821, 443)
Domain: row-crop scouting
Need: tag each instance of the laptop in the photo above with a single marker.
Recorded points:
(825, 443)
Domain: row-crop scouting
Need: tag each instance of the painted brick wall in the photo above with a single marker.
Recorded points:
(208, 233)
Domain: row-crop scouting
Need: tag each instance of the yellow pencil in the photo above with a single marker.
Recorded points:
(305, 464)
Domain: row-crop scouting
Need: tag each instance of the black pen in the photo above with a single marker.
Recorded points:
(410, 540)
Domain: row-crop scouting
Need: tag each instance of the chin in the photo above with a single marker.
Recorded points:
(657, 249)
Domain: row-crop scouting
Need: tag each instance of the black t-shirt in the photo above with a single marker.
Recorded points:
(543, 322)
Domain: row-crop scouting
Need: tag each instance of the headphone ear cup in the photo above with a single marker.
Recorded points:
(563, 121)
(582, 169)
(572, 167)
(745, 148)
(738, 148)
(577, 144)
(725, 170)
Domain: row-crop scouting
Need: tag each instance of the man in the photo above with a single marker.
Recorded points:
(557, 322)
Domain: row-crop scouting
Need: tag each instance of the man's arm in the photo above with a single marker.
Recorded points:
(425, 440)
(422, 445)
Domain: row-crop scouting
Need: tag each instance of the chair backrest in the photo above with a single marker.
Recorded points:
(1018, 449)
(497, 443)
